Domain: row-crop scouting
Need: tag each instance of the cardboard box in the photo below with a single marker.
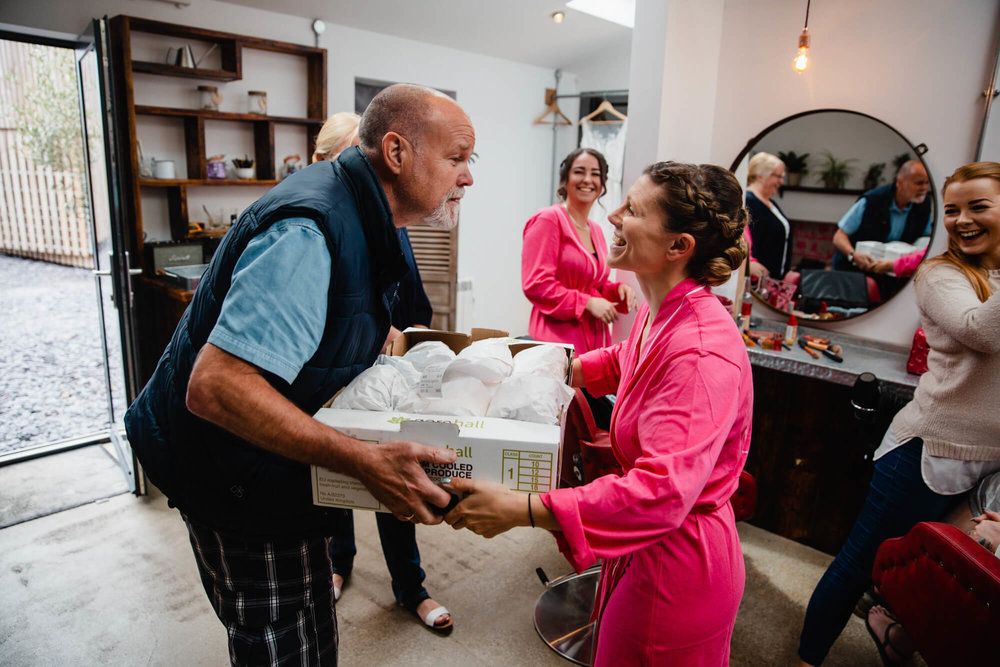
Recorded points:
(523, 456)
(520, 455)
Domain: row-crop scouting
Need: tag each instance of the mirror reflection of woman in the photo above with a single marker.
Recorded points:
(673, 573)
(770, 231)
(564, 272)
(944, 440)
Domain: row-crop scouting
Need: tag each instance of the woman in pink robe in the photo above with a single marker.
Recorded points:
(564, 272)
(672, 575)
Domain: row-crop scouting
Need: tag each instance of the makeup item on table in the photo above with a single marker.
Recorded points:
(816, 339)
(758, 334)
(804, 346)
(833, 355)
(748, 341)
(791, 329)
(746, 308)
(816, 345)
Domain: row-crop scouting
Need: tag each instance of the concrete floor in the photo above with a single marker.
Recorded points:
(114, 583)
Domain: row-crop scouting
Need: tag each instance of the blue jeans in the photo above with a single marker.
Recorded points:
(897, 500)
(399, 546)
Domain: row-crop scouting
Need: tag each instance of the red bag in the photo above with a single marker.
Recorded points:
(917, 363)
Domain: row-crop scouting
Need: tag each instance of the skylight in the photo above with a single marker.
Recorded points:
(621, 12)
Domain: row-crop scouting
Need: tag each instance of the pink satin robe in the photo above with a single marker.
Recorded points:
(559, 276)
(673, 573)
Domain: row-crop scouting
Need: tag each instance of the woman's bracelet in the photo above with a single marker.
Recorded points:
(531, 518)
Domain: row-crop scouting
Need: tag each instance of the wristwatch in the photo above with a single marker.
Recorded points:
(850, 258)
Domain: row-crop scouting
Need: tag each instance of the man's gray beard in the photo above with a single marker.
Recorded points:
(441, 217)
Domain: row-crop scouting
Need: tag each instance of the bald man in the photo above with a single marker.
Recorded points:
(898, 211)
(295, 303)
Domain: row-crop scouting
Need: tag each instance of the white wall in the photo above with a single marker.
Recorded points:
(918, 65)
(503, 98)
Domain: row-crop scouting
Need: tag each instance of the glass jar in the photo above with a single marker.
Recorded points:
(210, 97)
(256, 102)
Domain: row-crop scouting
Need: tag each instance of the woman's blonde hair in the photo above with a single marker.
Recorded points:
(762, 164)
(971, 266)
(338, 132)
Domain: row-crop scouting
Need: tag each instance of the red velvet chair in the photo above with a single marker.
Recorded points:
(944, 589)
(586, 453)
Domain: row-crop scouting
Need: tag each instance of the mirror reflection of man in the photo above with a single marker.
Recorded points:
(898, 211)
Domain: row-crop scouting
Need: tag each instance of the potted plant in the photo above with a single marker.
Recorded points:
(874, 175)
(244, 167)
(795, 165)
(834, 172)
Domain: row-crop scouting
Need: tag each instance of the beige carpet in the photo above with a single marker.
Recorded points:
(114, 583)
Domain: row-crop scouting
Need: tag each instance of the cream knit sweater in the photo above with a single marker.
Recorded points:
(956, 406)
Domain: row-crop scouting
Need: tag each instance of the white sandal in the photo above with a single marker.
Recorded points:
(430, 620)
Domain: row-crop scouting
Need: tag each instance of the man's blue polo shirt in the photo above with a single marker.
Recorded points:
(277, 329)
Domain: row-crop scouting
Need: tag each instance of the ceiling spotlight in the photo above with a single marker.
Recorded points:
(558, 17)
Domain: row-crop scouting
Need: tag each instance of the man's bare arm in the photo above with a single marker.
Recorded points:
(234, 395)
(842, 242)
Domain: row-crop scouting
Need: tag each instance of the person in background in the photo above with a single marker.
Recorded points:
(769, 228)
(672, 574)
(295, 303)
(897, 211)
(945, 439)
(398, 538)
(564, 270)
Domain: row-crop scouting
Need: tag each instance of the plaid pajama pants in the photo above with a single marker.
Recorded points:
(275, 598)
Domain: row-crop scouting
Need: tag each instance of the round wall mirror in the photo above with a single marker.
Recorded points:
(842, 179)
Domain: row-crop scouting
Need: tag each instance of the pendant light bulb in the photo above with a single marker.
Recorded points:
(558, 17)
(801, 61)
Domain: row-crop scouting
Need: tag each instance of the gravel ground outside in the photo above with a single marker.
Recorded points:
(52, 383)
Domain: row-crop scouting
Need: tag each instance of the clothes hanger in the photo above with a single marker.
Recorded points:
(608, 108)
(559, 119)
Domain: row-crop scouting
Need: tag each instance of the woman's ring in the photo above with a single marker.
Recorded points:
(408, 517)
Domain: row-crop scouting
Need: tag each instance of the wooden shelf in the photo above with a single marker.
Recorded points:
(209, 114)
(160, 305)
(209, 234)
(820, 191)
(197, 182)
(187, 72)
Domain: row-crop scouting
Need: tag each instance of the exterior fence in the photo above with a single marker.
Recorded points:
(43, 212)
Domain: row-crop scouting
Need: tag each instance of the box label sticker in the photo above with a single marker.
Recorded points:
(330, 490)
(430, 381)
(526, 470)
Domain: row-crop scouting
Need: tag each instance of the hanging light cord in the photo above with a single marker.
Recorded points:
(806, 26)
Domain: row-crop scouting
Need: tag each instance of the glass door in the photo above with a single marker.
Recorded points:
(113, 272)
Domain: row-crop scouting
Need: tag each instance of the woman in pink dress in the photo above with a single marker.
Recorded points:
(672, 575)
(564, 272)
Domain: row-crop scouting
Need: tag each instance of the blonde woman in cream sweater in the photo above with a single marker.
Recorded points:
(948, 437)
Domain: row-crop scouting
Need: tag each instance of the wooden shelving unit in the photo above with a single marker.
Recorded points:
(159, 305)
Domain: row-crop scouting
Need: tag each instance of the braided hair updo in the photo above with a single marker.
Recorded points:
(706, 202)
